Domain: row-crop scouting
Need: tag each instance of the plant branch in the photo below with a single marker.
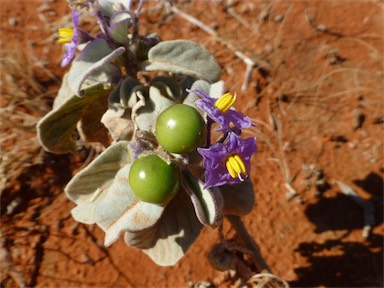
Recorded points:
(249, 242)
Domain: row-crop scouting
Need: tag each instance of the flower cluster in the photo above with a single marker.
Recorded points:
(227, 161)
(114, 18)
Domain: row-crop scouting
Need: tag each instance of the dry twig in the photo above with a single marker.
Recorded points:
(250, 63)
(368, 209)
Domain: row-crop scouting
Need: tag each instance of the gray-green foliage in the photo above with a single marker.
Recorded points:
(96, 90)
(184, 57)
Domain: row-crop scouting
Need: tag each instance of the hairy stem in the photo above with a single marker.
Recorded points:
(250, 243)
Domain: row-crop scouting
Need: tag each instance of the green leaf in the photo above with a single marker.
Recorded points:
(123, 94)
(89, 127)
(118, 27)
(192, 97)
(120, 210)
(117, 119)
(93, 65)
(85, 184)
(184, 57)
(155, 103)
(208, 203)
(104, 197)
(168, 87)
(108, 6)
(239, 199)
(55, 129)
(214, 90)
(167, 241)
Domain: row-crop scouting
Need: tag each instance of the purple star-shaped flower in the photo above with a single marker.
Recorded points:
(238, 119)
(216, 157)
(71, 47)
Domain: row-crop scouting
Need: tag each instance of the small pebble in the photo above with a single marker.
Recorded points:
(352, 145)
(268, 48)
(358, 119)
(44, 7)
(278, 18)
(321, 27)
(12, 21)
(264, 15)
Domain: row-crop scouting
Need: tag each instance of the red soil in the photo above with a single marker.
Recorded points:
(318, 106)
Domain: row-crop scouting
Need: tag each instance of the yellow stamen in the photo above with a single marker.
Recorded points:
(235, 167)
(65, 35)
(225, 102)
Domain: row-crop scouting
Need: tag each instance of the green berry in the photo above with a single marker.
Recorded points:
(153, 180)
(180, 129)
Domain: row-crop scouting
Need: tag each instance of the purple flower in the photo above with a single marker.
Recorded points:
(228, 162)
(221, 111)
(71, 38)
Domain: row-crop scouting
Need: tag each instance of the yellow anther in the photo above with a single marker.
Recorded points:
(65, 35)
(225, 102)
(235, 167)
(241, 164)
(230, 169)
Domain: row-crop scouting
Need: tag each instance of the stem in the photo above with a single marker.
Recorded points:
(249, 242)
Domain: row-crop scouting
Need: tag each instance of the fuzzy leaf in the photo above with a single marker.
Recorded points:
(91, 180)
(167, 241)
(94, 65)
(108, 6)
(117, 119)
(55, 129)
(104, 196)
(184, 57)
(192, 97)
(123, 210)
(123, 94)
(64, 94)
(118, 122)
(239, 199)
(168, 87)
(89, 127)
(161, 94)
(118, 27)
(208, 203)
(154, 105)
(216, 90)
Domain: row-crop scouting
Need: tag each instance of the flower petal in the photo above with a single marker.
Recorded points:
(229, 120)
(215, 157)
(71, 47)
